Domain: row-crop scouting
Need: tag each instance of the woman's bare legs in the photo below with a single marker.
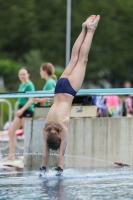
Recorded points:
(76, 49)
(23, 121)
(77, 75)
(17, 123)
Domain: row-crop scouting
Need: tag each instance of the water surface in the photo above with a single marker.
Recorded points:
(92, 183)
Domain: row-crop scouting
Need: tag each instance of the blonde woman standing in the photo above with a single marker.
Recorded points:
(47, 72)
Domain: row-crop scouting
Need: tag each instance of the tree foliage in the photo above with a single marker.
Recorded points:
(9, 70)
(34, 60)
(29, 27)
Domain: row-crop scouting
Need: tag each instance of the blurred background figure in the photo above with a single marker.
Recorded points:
(114, 105)
(102, 110)
(127, 101)
(25, 111)
(127, 84)
(47, 72)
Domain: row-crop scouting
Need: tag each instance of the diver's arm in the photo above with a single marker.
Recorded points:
(62, 149)
(46, 153)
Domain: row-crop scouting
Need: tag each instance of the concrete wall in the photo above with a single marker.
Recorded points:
(107, 139)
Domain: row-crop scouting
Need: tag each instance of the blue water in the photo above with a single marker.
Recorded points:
(75, 184)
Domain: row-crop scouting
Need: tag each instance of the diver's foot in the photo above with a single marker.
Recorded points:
(84, 25)
(92, 22)
(89, 19)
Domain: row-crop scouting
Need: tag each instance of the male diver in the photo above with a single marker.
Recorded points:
(56, 123)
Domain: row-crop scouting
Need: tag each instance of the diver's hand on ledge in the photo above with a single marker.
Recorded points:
(59, 171)
(42, 170)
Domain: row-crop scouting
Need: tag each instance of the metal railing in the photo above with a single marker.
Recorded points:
(17, 144)
(10, 113)
(81, 92)
(2, 111)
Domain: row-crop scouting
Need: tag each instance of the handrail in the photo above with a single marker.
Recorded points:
(9, 118)
(15, 107)
(10, 108)
(49, 93)
(15, 110)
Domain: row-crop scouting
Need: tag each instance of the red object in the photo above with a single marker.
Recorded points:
(19, 132)
(8, 165)
(121, 164)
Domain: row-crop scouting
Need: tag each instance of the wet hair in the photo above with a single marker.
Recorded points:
(53, 141)
(49, 68)
(25, 69)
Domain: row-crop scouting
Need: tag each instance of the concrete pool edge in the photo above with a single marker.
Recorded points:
(93, 142)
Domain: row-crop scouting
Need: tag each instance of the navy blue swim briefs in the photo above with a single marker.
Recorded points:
(63, 86)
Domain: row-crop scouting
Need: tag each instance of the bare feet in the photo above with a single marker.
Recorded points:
(92, 22)
(89, 19)
(84, 25)
(11, 157)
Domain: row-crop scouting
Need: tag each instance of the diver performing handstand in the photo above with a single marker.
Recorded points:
(56, 124)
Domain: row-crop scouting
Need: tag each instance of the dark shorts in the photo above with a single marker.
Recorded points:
(26, 113)
(63, 86)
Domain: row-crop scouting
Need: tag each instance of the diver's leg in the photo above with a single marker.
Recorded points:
(76, 50)
(77, 75)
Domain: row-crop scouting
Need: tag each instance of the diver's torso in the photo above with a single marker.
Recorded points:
(60, 110)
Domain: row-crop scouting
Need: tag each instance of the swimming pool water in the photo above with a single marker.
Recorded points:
(76, 184)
